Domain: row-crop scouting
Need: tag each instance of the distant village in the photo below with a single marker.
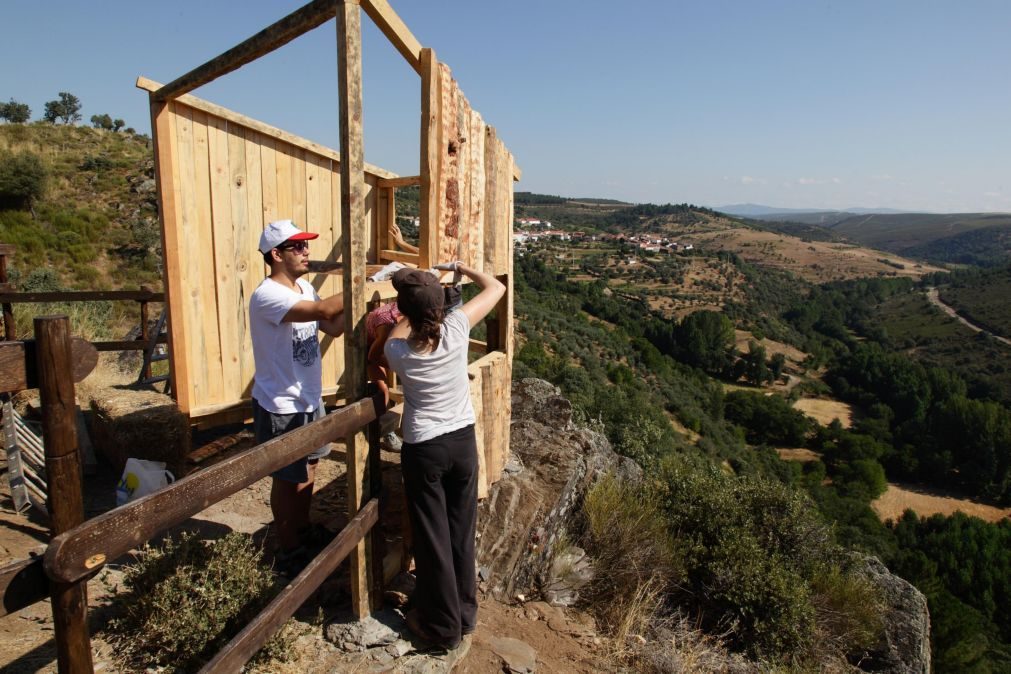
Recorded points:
(532, 230)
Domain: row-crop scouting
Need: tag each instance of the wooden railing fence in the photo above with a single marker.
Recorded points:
(80, 548)
(144, 297)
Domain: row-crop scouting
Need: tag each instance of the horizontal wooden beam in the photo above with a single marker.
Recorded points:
(7, 248)
(18, 367)
(76, 553)
(128, 344)
(267, 40)
(237, 652)
(403, 181)
(261, 127)
(478, 346)
(22, 583)
(82, 296)
(395, 30)
(398, 256)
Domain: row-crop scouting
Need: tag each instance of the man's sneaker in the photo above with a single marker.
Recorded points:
(392, 442)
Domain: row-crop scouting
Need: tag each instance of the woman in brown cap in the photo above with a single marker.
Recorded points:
(428, 352)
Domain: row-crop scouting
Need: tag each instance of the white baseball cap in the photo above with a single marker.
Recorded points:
(280, 231)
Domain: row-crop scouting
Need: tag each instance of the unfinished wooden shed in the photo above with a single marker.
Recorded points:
(223, 176)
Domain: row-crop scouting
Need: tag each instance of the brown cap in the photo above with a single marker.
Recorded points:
(418, 290)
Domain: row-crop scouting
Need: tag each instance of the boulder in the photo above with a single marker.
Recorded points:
(905, 647)
(534, 512)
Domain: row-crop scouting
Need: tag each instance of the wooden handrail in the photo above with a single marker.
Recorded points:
(237, 652)
(82, 296)
(78, 552)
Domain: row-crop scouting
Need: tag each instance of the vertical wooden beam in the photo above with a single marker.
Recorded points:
(145, 370)
(163, 134)
(431, 101)
(355, 242)
(63, 471)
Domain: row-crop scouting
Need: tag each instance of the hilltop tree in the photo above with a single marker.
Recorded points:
(118, 124)
(15, 112)
(67, 108)
(102, 122)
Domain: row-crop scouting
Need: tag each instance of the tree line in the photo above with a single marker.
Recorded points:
(65, 109)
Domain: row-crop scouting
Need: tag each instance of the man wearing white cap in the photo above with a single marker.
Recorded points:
(285, 317)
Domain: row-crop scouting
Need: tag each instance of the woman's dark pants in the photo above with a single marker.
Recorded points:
(440, 478)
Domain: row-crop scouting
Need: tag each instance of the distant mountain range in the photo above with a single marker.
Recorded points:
(763, 212)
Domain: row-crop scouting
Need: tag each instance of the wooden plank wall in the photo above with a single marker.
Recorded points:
(471, 176)
(491, 395)
(230, 180)
(473, 183)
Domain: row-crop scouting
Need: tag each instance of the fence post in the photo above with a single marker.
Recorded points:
(63, 471)
(145, 372)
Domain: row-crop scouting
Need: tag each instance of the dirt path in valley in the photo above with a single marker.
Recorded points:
(934, 297)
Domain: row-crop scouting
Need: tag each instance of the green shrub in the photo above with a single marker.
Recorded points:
(757, 558)
(631, 545)
(22, 180)
(186, 599)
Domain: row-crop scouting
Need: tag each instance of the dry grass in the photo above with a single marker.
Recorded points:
(826, 411)
(816, 261)
(897, 499)
(772, 347)
(797, 454)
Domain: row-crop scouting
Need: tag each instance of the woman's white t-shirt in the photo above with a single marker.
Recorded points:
(436, 386)
(289, 374)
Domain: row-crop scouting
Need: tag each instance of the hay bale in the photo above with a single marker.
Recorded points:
(139, 424)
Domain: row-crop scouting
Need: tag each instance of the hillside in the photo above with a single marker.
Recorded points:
(96, 223)
(810, 252)
(900, 232)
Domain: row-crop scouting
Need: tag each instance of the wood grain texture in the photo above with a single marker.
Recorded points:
(355, 240)
(163, 122)
(477, 402)
(227, 296)
(235, 118)
(63, 473)
(431, 99)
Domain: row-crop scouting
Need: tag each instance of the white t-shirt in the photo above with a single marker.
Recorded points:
(436, 386)
(289, 374)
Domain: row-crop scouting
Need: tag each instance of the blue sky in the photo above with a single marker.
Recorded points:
(803, 103)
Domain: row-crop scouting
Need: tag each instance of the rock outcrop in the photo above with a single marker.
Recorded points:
(533, 513)
(906, 645)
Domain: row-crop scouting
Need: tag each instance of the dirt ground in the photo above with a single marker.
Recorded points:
(927, 502)
(563, 641)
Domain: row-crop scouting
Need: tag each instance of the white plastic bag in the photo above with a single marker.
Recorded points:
(140, 478)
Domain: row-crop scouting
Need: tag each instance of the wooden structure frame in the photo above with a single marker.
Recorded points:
(223, 176)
